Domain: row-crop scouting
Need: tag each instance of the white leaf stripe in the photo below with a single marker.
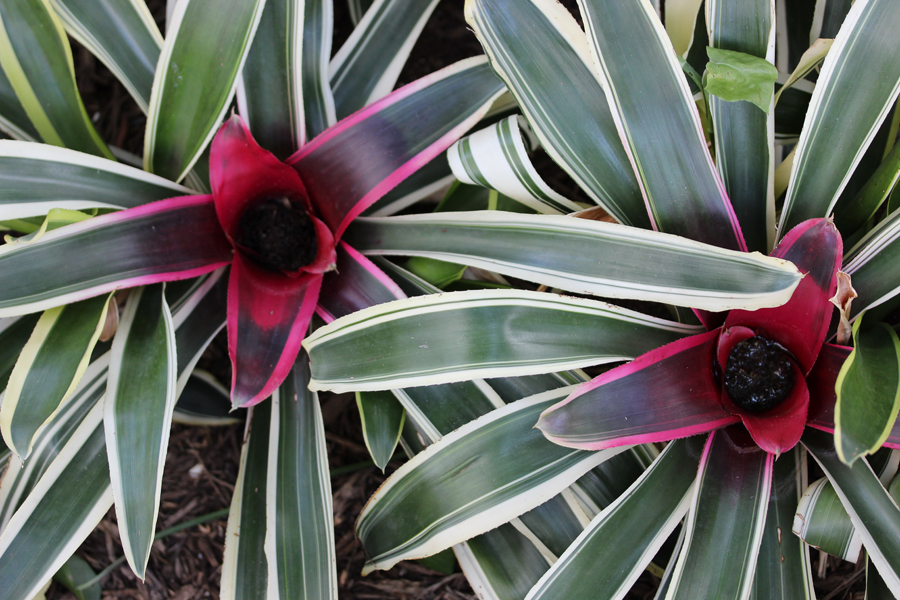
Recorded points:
(496, 157)
(613, 187)
(807, 527)
(857, 40)
(87, 38)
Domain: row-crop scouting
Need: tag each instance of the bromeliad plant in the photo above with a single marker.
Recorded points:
(754, 382)
(275, 216)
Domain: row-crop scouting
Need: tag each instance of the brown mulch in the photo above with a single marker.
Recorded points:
(201, 466)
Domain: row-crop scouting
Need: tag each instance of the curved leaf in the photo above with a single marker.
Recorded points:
(140, 246)
(655, 115)
(49, 369)
(38, 177)
(37, 60)
(473, 480)
(122, 34)
(382, 420)
(205, 48)
(464, 335)
(576, 128)
(563, 252)
(368, 64)
(830, 147)
(137, 417)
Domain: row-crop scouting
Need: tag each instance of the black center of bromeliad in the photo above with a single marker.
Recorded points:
(759, 374)
(279, 234)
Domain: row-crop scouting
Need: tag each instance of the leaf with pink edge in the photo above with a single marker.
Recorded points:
(731, 498)
(268, 314)
(345, 172)
(163, 241)
(801, 324)
(667, 393)
(355, 284)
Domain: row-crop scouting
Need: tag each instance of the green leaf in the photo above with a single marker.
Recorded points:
(442, 562)
(436, 272)
(299, 528)
(562, 252)
(744, 154)
(726, 520)
(37, 60)
(139, 402)
(205, 48)
(463, 335)
(245, 570)
(863, 57)
(122, 34)
(480, 476)
(368, 64)
(621, 541)
(823, 523)
(75, 573)
(868, 392)
(872, 195)
(872, 511)
(49, 369)
(783, 569)
(204, 401)
(735, 76)
(810, 59)
(382, 422)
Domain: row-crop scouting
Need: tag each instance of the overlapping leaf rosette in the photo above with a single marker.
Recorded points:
(732, 400)
(89, 427)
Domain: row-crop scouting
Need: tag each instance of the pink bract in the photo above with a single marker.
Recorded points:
(668, 393)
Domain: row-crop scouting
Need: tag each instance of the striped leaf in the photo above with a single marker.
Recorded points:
(245, 572)
(863, 206)
(871, 265)
(607, 558)
(368, 64)
(63, 508)
(418, 341)
(14, 121)
(38, 177)
(655, 114)
(872, 511)
(496, 157)
(868, 392)
(830, 146)
(444, 504)
(500, 564)
(14, 334)
(822, 522)
(37, 60)
(49, 369)
(783, 570)
(562, 252)
(743, 133)
(139, 402)
(382, 420)
(187, 105)
(122, 34)
(118, 250)
(726, 519)
(204, 402)
(575, 128)
(284, 91)
(810, 59)
(299, 518)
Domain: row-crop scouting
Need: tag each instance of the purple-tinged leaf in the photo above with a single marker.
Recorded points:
(801, 324)
(356, 284)
(668, 393)
(726, 521)
(268, 314)
(357, 161)
(162, 241)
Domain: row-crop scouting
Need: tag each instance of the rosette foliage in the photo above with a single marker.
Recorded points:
(686, 165)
